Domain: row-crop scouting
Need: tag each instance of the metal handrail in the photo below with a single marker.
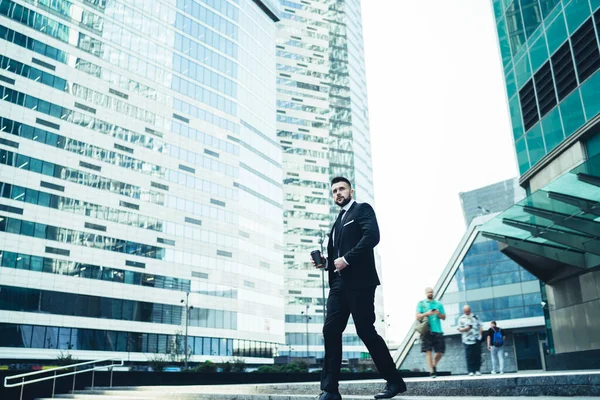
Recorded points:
(22, 383)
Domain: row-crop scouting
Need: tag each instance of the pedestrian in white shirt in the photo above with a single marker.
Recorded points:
(472, 332)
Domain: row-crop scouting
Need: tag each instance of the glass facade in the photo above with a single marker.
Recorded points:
(554, 234)
(350, 135)
(550, 52)
(73, 339)
(493, 285)
(490, 199)
(551, 56)
(303, 132)
(496, 288)
(322, 117)
(139, 157)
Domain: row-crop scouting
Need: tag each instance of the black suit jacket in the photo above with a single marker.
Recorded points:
(358, 237)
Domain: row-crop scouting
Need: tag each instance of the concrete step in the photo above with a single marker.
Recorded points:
(311, 397)
(208, 396)
(577, 383)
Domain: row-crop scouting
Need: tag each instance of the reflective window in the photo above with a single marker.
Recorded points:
(64, 235)
(75, 269)
(100, 49)
(30, 300)
(66, 338)
(485, 267)
(121, 160)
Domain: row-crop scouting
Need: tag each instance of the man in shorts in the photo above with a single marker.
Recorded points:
(432, 341)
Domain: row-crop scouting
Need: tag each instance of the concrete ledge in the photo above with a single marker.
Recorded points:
(581, 383)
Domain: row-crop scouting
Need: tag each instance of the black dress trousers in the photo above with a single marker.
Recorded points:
(361, 304)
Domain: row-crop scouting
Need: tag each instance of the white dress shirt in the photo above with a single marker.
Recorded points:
(346, 208)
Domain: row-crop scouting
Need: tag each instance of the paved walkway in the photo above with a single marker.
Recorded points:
(543, 385)
(520, 374)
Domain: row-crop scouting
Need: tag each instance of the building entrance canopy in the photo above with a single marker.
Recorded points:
(555, 232)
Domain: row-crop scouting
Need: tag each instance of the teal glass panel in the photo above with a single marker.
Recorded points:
(508, 67)
(567, 184)
(522, 157)
(515, 116)
(511, 84)
(556, 33)
(503, 42)
(592, 146)
(571, 110)
(589, 94)
(536, 35)
(498, 9)
(514, 24)
(595, 4)
(522, 71)
(532, 17)
(553, 130)
(577, 11)
(549, 8)
(539, 53)
(535, 144)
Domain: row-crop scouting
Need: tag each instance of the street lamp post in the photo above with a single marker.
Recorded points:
(322, 235)
(386, 326)
(305, 313)
(483, 210)
(187, 323)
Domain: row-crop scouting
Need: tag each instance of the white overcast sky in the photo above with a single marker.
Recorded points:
(439, 126)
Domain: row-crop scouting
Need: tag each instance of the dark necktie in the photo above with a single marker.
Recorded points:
(338, 227)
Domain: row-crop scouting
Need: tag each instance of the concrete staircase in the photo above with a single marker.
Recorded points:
(571, 384)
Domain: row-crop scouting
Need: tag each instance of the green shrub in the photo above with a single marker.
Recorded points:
(267, 369)
(238, 365)
(157, 362)
(226, 366)
(295, 367)
(206, 366)
(65, 359)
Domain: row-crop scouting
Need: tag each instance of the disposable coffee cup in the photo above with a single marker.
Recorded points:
(316, 256)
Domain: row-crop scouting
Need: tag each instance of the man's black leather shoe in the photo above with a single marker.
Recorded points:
(391, 390)
(330, 396)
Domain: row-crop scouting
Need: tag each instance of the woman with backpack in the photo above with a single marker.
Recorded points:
(495, 341)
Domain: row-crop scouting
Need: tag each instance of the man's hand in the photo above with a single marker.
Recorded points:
(339, 264)
(323, 261)
(489, 347)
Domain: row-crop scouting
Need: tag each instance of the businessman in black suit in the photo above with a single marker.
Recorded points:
(352, 281)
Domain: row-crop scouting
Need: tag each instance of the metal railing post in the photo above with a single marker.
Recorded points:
(74, 375)
(69, 370)
(53, 384)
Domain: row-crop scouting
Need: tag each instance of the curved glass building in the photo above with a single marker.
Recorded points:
(550, 51)
(323, 129)
(140, 182)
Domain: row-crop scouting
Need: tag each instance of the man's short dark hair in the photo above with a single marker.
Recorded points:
(339, 179)
(493, 322)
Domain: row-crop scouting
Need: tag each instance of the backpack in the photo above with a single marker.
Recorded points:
(422, 325)
(498, 339)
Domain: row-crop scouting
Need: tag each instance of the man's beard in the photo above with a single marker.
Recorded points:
(346, 201)
(430, 297)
